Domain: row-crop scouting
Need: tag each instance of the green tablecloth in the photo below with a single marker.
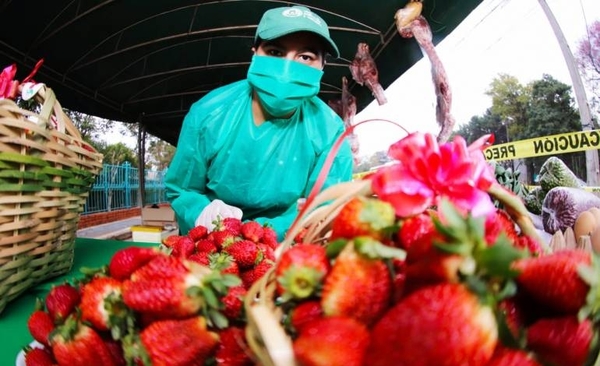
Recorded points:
(13, 320)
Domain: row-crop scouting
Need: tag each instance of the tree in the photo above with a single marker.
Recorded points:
(119, 153)
(588, 62)
(551, 111)
(478, 126)
(509, 102)
(160, 153)
(92, 129)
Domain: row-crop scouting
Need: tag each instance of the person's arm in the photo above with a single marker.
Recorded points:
(185, 181)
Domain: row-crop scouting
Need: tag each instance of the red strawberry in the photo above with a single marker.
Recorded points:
(270, 237)
(527, 242)
(233, 349)
(512, 357)
(198, 232)
(76, 344)
(205, 246)
(333, 341)
(174, 288)
(299, 238)
(224, 263)
(184, 247)
(553, 280)
(513, 315)
(38, 357)
(561, 341)
(398, 279)
(304, 313)
(442, 325)
(245, 253)
(253, 231)
(300, 271)
(102, 305)
(251, 275)
(125, 261)
(497, 223)
(222, 238)
(356, 272)
(61, 301)
(116, 351)
(189, 342)
(170, 241)
(363, 216)
(233, 302)
(416, 235)
(40, 326)
(202, 258)
(268, 252)
(232, 225)
(432, 269)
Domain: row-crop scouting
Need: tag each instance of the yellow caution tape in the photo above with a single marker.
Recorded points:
(546, 145)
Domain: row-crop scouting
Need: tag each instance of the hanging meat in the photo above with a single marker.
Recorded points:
(364, 72)
(410, 23)
(348, 102)
(345, 107)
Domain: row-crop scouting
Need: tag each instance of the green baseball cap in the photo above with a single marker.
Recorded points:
(282, 21)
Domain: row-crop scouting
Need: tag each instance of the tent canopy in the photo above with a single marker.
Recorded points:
(147, 61)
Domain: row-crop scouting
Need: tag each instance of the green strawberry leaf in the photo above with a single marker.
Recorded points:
(371, 248)
(591, 275)
(496, 260)
(334, 247)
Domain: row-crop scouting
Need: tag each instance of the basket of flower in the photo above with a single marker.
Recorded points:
(417, 265)
(46, 171)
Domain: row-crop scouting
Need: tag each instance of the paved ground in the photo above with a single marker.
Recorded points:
(114, 230)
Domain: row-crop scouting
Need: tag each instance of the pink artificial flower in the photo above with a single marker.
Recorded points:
(427, 172)
(6, 81)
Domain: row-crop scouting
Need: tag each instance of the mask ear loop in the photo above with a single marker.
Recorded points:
(325, 170)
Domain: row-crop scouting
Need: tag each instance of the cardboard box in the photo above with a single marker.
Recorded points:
(162, 216)
(151, 234)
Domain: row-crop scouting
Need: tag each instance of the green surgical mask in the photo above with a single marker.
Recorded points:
(282, 85)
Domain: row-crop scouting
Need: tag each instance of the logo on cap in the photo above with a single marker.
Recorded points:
(294, 13)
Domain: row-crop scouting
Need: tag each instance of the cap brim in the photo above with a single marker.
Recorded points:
(274, 33)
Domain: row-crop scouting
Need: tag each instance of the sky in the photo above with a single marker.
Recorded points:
(500, 36)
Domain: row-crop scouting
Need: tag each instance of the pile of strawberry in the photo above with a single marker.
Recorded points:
(245, 249)
(437, 288)
(149, 306)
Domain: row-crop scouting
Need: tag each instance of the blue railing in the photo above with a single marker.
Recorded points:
(117, 187)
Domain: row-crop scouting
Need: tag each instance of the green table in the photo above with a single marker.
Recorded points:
(13, 320)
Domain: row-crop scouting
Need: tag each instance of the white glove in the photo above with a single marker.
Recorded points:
(215, 209)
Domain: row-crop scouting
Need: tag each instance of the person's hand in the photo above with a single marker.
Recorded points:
(215, 209)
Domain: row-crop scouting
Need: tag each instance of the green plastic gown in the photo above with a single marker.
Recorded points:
(262, 170)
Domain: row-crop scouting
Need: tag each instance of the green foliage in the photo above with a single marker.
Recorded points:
(118, 154)
(489, 123)
(92, 129)
(534, 200)
(160, 153)
(551, 111)
(510, 180)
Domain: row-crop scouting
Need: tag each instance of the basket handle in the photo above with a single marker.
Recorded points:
(325, 170)
(51, 105)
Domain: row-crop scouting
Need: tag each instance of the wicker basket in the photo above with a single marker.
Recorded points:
(264, 332)
(46, 171)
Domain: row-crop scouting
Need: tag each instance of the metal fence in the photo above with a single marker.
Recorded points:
(117, 187)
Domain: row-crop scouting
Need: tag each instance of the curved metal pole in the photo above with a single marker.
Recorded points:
(591, 156)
